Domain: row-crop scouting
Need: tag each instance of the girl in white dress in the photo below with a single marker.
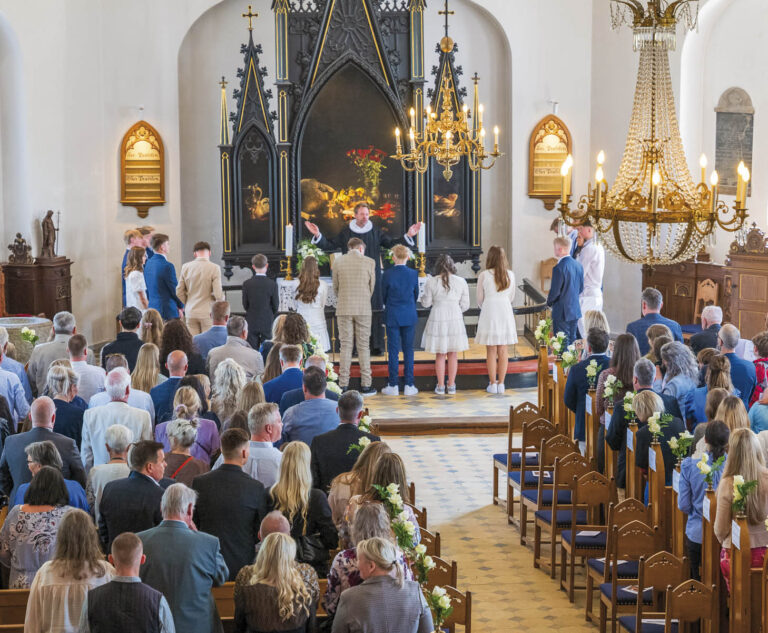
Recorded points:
(135, 286)
(311, 295)
(445, 334)
(496, 327)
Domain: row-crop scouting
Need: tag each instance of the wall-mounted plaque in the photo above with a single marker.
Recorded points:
(550, 145)
(734, 129)
(142, 168)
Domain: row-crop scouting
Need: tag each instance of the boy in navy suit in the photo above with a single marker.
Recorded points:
(160, 276)
(577, 385)
(400, 290)
(567, 284)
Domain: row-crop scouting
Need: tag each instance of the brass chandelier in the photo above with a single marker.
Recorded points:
(654, 213)
(447, 138)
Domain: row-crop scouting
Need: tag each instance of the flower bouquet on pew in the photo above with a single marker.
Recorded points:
(592, 370)
(570, 357)
(365, 424)
(360, 446)
(543, 331)
(707, 470)
(440, 604)
(741, 490)
(558, 344)
(422, 564)
(680, 445)
(611, 388)
(629, 410)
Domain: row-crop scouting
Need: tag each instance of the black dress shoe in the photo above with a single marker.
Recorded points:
(368, 391)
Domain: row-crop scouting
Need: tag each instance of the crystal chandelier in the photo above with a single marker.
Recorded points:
(654, 213)
(447, 138)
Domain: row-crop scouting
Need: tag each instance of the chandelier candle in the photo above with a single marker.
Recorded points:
(703, 165)
(714, 180)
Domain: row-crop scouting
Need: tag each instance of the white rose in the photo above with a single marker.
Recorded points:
(438, 591)
(364, 441)
(393, 488)
(705, 469)
(591, 371)
(738, 480)
(444, 602)
(420, 549)
(628, 407)
(704, 458)
(653, 427)
(409, 528)
(542, 323)
(556, 346)
(396, 500)
(404, 517)
(686, 435)
(673, 443)
(430, 564)
(561, 335)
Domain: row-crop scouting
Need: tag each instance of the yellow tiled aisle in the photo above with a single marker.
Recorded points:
(453, 480)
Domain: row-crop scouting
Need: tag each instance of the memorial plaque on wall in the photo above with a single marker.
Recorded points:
(550, 146)
(734, 136)
(142, 168)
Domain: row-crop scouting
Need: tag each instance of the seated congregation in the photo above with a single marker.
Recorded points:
(643, 469)
(211, 492)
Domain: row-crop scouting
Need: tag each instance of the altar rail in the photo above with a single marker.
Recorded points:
(534, 308)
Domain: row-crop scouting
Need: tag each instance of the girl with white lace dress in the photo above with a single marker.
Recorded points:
(496, 327)
(311, 295)
(445, 334)
(135, 286)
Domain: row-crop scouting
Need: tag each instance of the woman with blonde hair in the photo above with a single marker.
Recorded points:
(652, 333)
(646, 404)
(717, 376)
(186, 406)
(276, 593)
(60, 585)
(135, 286)
(146, 374)
(496, 327)
(745, 459)
(277, 335)
(594, 319)
(733, 413)
(252, 394)
(272, 368)
(305, 507)
(356, 481)
(151, 328)
(311, 296)
(384, 595)
(228, 381)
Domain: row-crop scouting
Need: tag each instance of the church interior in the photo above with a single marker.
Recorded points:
(626, 128)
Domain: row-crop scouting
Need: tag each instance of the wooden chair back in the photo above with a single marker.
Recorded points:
(224, 596)
(412, 492)
(443, 573)
(13, 605)
(629, 510)
(660, 570)
(518, 416)
(690, 601)
(595, 493)
(556, 447)
(431, 541)
(534, 432)
(420, 514)
(323, 585)
(611, 456)
(462, 609)
(559, 410)
(11, 628)
(566, 470)
(633, 540)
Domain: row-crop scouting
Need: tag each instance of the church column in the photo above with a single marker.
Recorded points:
(416, 8)
(282, 9)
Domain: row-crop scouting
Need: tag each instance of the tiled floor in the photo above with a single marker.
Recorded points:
(469, 403)
(453, 481)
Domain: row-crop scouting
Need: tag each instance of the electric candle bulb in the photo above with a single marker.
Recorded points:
(601, 158)
(569, 161)
(656, 180)
(713, 179)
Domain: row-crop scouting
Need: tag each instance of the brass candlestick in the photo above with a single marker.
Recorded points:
(422, 265)
(285, 267)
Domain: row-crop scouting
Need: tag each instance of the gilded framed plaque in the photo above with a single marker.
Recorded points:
(549, 147)
(142, 168)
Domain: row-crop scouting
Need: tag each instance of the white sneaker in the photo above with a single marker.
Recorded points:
(440, 390)
(410, 390)
(491, 388)
(391, 390)
(451, 390)
(499, 387)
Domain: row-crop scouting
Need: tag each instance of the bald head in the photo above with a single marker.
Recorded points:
(176, 363)
(43, 412)
(274, 522)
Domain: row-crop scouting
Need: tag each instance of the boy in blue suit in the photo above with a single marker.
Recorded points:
(160, 276)
(567, 284)
(577, 385)
(400, 290)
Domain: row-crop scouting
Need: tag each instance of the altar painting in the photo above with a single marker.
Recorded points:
(255, 195)
(449, 203)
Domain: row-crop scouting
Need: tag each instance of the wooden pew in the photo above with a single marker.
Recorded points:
(462, 610)
(632, 474)
(679, 519)
(710, 562)
(746, 582)
(591, 425)
(611, 456)
(657, 493)
(559, 410)
(543, 381)
(13, 606)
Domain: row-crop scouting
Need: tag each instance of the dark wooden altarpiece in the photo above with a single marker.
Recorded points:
(348, 71)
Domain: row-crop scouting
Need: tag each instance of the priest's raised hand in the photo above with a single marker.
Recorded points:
(312, 228)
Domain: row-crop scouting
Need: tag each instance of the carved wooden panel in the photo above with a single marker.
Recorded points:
(753, 287)
(750, 322)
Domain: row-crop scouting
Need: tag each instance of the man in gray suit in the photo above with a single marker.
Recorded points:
(238, 349)
(183, 564)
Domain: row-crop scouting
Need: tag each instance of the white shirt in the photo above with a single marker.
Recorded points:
(136, 398)
(263, 463)
(97, 421)
(90, 379)
(592, 259)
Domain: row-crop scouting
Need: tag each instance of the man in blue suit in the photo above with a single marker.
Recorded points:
(160, 276)
(291, 378)
(567, 284)
(651, 308)
(577, 385)
(184, 564)
(162, 395)
(743, 375)
(216, 336)
(400, 290)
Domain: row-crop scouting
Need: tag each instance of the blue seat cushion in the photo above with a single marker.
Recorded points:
(563, 496)
(586, 542)
(628, 623)
(625, 597)
(627, 569)
(563, 517)
(530, 479)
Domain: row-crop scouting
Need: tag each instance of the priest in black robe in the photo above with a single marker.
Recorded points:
(362, 228)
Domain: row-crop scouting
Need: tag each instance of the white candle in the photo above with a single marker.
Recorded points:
(397, 137)
(288, 240)
(422, 241)
(713, 179)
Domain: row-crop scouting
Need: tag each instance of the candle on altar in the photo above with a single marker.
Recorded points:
(713, 179)
(703, 165)
(422, 239)
(288, 240)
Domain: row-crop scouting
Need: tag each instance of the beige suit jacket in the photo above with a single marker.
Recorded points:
(354, 278)
(199, 286)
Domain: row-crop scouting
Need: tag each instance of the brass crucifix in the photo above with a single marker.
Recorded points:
(446, 13)
(250, 15)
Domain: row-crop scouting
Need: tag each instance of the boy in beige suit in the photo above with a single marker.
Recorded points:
(199, 286)
(354, 278)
